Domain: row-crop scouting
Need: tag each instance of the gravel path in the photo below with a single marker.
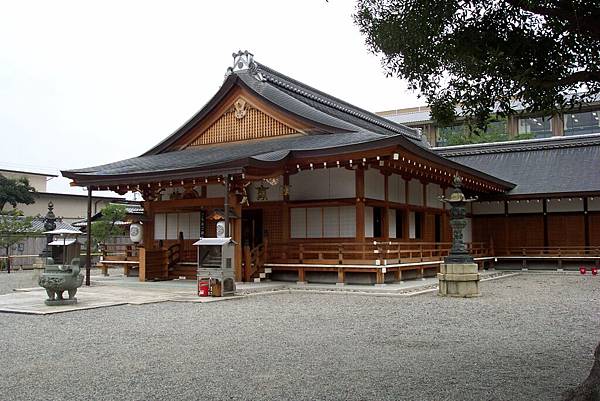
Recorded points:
(528, 338)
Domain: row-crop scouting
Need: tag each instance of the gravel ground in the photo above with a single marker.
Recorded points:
(529, 337)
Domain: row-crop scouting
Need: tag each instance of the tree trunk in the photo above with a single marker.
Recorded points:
(589, 390)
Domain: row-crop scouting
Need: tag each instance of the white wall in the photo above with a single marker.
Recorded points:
(374, 184)
(415, 193)
(493, 207)
(169, 225)
(434, 191)
(215, 191)
(522, 206)
(411, 225)
(392, 223)
(36, 181)
(594, 203)
(331, 183)
(323, 222)
(564, 205)
(368, 222)
(396, 188)
(468, 232)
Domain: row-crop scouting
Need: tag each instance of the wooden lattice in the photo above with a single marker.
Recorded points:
(273, 222)
(254, 124)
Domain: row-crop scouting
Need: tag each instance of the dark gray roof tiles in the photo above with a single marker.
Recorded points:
(550, 166)
(273, 149)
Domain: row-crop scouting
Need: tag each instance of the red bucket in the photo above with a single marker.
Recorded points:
(582, 270)
(203, 288)
(594, 271)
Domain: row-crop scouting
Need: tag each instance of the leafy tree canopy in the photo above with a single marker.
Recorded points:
(488, 56)
(13, 228)
(105, 228)
(14, 191)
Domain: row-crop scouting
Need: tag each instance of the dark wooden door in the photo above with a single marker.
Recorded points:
(252, 227)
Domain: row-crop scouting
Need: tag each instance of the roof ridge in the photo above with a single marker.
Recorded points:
(520, 146)
(278, 78)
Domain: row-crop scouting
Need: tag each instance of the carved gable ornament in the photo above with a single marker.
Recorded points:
(242, 122)
(240, 108)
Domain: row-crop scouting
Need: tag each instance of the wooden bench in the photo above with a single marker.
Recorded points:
(127, 265)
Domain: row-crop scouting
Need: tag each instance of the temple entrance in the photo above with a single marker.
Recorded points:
(252, 227)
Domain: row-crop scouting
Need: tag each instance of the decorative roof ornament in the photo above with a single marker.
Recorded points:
(242, 61)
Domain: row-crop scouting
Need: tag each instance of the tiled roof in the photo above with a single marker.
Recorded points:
(541, 166)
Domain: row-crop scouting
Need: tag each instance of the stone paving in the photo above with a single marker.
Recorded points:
(118, 290)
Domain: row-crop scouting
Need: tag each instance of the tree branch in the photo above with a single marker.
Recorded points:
(577, 22)
(574, 78)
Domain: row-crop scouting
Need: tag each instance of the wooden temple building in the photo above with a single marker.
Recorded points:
(316, 188)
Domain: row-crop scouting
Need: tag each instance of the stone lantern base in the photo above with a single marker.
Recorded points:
(459, 280)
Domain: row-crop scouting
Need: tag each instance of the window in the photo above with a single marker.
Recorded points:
(582, 123)
(323, 222)
(169, 225)
(396, 223)
(415, 225)
(535, 127)
(461, 134)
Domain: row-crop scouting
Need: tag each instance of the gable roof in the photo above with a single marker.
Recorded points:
(549, 166)
(327, 112)
(338, 128)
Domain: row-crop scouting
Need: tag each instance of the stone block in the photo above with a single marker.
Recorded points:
(459, 280)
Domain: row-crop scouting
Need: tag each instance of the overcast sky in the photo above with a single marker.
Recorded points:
(85, 83)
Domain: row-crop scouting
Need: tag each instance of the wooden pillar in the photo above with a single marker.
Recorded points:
(360, 204)
(88, 245)
(586, 222)
(285, 212)
(379, 276)
(341, 276)
(142, 266)
(545, 220)
(237, 235)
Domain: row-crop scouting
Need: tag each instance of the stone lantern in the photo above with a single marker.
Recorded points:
(459, 275)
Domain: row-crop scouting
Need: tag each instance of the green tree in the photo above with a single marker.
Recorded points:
(488, 56)
(106, 228)
(14, 191)
(13, 228)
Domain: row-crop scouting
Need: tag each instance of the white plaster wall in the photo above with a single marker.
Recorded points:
(523, 207)
(274, 192)
(298, 222)
(396, 188)
(36, 181)
(468, 233)
(331, 222)
(368, 222)
(333, 183)
(342, 183)
(594, 203)
(434, 191)
(493, 207)
(564, 205)
(314, 222)
(415, 193)
(392, 223)
(411, 225)
(215, 191)
(374, 184)
(348, 221)
(327, 222)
